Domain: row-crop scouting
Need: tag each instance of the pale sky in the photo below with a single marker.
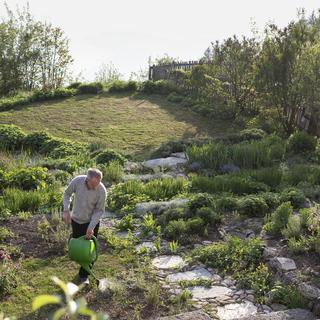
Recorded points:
(127, 32)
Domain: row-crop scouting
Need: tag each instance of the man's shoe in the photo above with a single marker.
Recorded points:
(84, 281)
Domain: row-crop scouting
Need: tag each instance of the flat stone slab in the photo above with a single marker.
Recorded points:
(236, 310)
(292, 314)
(200, 292)
(170, 162)
(168, 262)
(155, 206)
(309, 291)
(194, 315)
(283, 264)
(196, 274)
(149, 245)
(181, 155)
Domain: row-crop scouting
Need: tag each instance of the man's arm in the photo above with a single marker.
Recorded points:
(66, 200)
(98, 211)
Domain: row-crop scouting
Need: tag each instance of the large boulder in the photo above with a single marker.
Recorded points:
(237, 310)
(194, 315)
(282, 264)
(292, 314)
(164, 163)
(308, 291)
(157, 206)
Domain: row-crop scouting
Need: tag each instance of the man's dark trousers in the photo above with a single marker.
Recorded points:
(79, 230)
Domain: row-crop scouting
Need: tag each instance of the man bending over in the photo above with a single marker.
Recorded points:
(88, 207)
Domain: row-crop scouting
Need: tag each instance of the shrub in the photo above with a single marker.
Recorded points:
(5, 234)
(148, 225)
(301, 142)
(54, 232)
(295, 196)
(28, 178)
(11, 137)
(61, 148)
(171, 214)
(195, 225)
(90, 88)
(227, 183)
(270, 176)
(208, 215)
(126, 223)
(289, 295)
(122, 86)
(232, 255)
(8, 275)
(107, 156)
(278, 219)
(35, 141)
(293, 228)
(252, 134)
(227, 203)
(252, 206)
(74, 85)
(163, 87)
(174, 97)
(300, 245)
(112, 172)
(42, 95)
(271, 199)
(175, 229)
(200, 200)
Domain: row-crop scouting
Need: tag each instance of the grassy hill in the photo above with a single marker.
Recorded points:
(133, 125)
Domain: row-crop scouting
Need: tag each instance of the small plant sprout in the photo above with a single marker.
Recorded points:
(67, 305)
(173, 246)
(149, 225)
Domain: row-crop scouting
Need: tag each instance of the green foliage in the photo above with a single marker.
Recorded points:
(293, 228)
(28, 178)
(162, 87)
(300, 245)
(252, 134)
(74, 85)
(176, 229)
(232, 255)
(8, 275)
(11, 137)
(301, 142)
(271, 199)
(68, 305)
(201, 200)
(35, 141)
(227, 183)
(208, 215)
(112, 172)
(252, 206)
(173, 247)
(227, 203)
(90, 88)
(126, 223)
(288, 295)
(149, 225)
(174, 97)
(122, 86)
(278, 219)
(107, 156)
(294, 195)
(5, 234)
(259, 280)
(43, 95)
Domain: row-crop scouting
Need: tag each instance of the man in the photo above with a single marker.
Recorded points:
(88, 207)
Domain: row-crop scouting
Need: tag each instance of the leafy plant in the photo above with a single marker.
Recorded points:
(301, 142)
(173, 246)
(8, 274)
(289, 296)
(148, 225)
(252, 206)
(126, 223)
(68, 305)
(11, 137)
(112, 172)
(107, 156)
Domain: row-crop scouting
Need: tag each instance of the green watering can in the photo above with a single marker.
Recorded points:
(84, 252)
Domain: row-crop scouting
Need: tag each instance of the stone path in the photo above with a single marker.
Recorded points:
(168, 262)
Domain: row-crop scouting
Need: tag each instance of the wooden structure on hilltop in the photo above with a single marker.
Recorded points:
(166, 71)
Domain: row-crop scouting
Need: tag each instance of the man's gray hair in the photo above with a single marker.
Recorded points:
(94, 173)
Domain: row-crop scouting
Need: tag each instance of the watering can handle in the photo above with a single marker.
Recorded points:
(96, 243)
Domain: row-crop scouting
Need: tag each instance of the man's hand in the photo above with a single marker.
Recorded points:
(66, 217)
(89, 233)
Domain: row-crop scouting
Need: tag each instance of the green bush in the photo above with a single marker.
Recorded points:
(201, 200)
(8, 275)
(163, 87)
(278, 220)
(35, 141)
(11, 137)
(176, 229)
(252, 134)
(208, 215)
(122, 86)
(227, 183)
(289, 296)
(301, 142)
(293, 228)
(43, 95)
(227, 203)
(300, 245)
(90, 88)
(31, 178)
(294, 195)
(232, 255)
(107, 156)
(112, 172)
(271, 199)
(195, 225)
(171, 214)
(74, 85)
(270, 176)
(174, 97)
(252, 206)
(126, 223)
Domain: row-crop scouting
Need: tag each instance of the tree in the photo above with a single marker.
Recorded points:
(284, 77)
(107, 72)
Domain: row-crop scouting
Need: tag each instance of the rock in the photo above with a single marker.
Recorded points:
(292, 314)
(199, 292)
(194, 315)
(194, 166)
(196, 274)
(157, 206)
(283, 264)
(237, 310)
(150, 247)
(181, 155)
(306, 204)
(269, 253)
(278, 307)
(228, 282)
(160, 163)
(168, 262)
(133, 167)
(266, 309)
(229, 168)
(308, 291)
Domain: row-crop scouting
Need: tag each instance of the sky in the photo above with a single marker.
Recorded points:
(128, 32)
